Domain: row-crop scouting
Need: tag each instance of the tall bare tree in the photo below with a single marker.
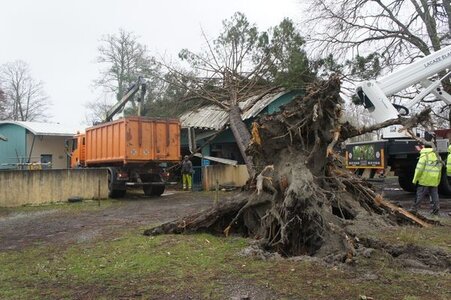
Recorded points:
(123, 59)
(243, 62)
(25, 96)
(3, 111)
(398, 31)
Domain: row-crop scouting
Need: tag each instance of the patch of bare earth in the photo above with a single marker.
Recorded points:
(67, 226)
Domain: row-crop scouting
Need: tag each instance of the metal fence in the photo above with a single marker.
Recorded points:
(197, 178)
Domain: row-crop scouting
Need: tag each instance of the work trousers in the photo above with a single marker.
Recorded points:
(422, 192)
(187, 181)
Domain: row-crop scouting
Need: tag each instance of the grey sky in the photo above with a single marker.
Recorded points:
(59, 39)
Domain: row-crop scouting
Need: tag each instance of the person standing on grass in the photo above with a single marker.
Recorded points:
(427, 176)
(187, 173)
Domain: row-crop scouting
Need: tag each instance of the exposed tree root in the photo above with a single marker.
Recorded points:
(304, 200)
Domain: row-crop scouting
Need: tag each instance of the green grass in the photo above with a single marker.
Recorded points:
(437, 236)
(202, 266)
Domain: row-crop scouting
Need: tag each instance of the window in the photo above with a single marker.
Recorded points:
(46, 161)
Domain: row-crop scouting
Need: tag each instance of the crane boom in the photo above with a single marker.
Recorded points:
(134, 88)
(374, 94)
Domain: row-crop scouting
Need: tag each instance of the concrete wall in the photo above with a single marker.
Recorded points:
(53, 145)
(42, 186)
(225, 174)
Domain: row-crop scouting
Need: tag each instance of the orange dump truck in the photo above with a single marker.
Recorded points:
(132, 149)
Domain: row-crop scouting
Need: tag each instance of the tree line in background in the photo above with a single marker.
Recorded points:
(360, 40)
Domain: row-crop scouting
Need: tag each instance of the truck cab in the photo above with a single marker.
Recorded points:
(77, 149)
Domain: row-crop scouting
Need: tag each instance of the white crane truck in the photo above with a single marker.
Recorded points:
(396, 149)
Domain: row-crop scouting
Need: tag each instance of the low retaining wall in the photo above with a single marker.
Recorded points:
(43, 186)
(225, 175)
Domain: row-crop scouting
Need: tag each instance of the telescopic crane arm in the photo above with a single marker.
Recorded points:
(140, 85)
(374, 94)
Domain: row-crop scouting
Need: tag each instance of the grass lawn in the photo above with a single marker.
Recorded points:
(202, 266)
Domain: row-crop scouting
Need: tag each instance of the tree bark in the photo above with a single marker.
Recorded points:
(242, 136)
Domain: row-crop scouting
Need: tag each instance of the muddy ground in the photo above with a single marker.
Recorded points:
(21, 228)
(25, 227)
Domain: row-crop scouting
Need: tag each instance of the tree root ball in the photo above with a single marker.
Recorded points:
(303, 201)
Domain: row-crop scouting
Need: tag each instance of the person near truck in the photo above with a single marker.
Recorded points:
(448, 162)
(187, 173)
(427, 176)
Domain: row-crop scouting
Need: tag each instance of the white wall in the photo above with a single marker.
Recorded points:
(54, 145)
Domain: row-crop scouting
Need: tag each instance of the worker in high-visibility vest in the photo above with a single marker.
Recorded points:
(187, 173)
(427, 176)
(448, 162)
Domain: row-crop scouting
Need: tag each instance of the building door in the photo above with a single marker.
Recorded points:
(46, 161)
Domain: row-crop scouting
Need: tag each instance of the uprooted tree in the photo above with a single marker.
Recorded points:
(243, 63)
(303, 201)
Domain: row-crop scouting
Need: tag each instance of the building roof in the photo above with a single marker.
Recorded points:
(214, 117)
(38, 128)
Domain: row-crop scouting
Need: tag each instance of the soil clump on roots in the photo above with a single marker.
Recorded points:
(303, 201)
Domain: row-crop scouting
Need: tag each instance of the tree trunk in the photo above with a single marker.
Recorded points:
(242, 136)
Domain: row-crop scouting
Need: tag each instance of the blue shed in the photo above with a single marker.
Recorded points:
(33, 143)
(211, 120)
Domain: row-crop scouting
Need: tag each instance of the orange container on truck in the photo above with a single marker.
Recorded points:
(133, 149)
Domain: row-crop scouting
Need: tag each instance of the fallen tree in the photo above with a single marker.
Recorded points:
(303, 201)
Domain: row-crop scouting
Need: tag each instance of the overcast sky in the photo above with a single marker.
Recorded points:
(59, 39)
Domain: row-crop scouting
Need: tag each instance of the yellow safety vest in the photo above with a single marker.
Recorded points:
(448, 162)
(428, 170)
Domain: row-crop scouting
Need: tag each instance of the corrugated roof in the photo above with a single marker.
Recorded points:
(38, 128)
(214, 117)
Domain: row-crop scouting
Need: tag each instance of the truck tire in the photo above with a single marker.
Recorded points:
(405, 182)
(444, 188)
(158, 190)
(113, 191)
(153, 190)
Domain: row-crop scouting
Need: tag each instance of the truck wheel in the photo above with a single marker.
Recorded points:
(148, 190)
(153, 190)
(158, 190)
(444, 188)
(112, 191)
(405, 182)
